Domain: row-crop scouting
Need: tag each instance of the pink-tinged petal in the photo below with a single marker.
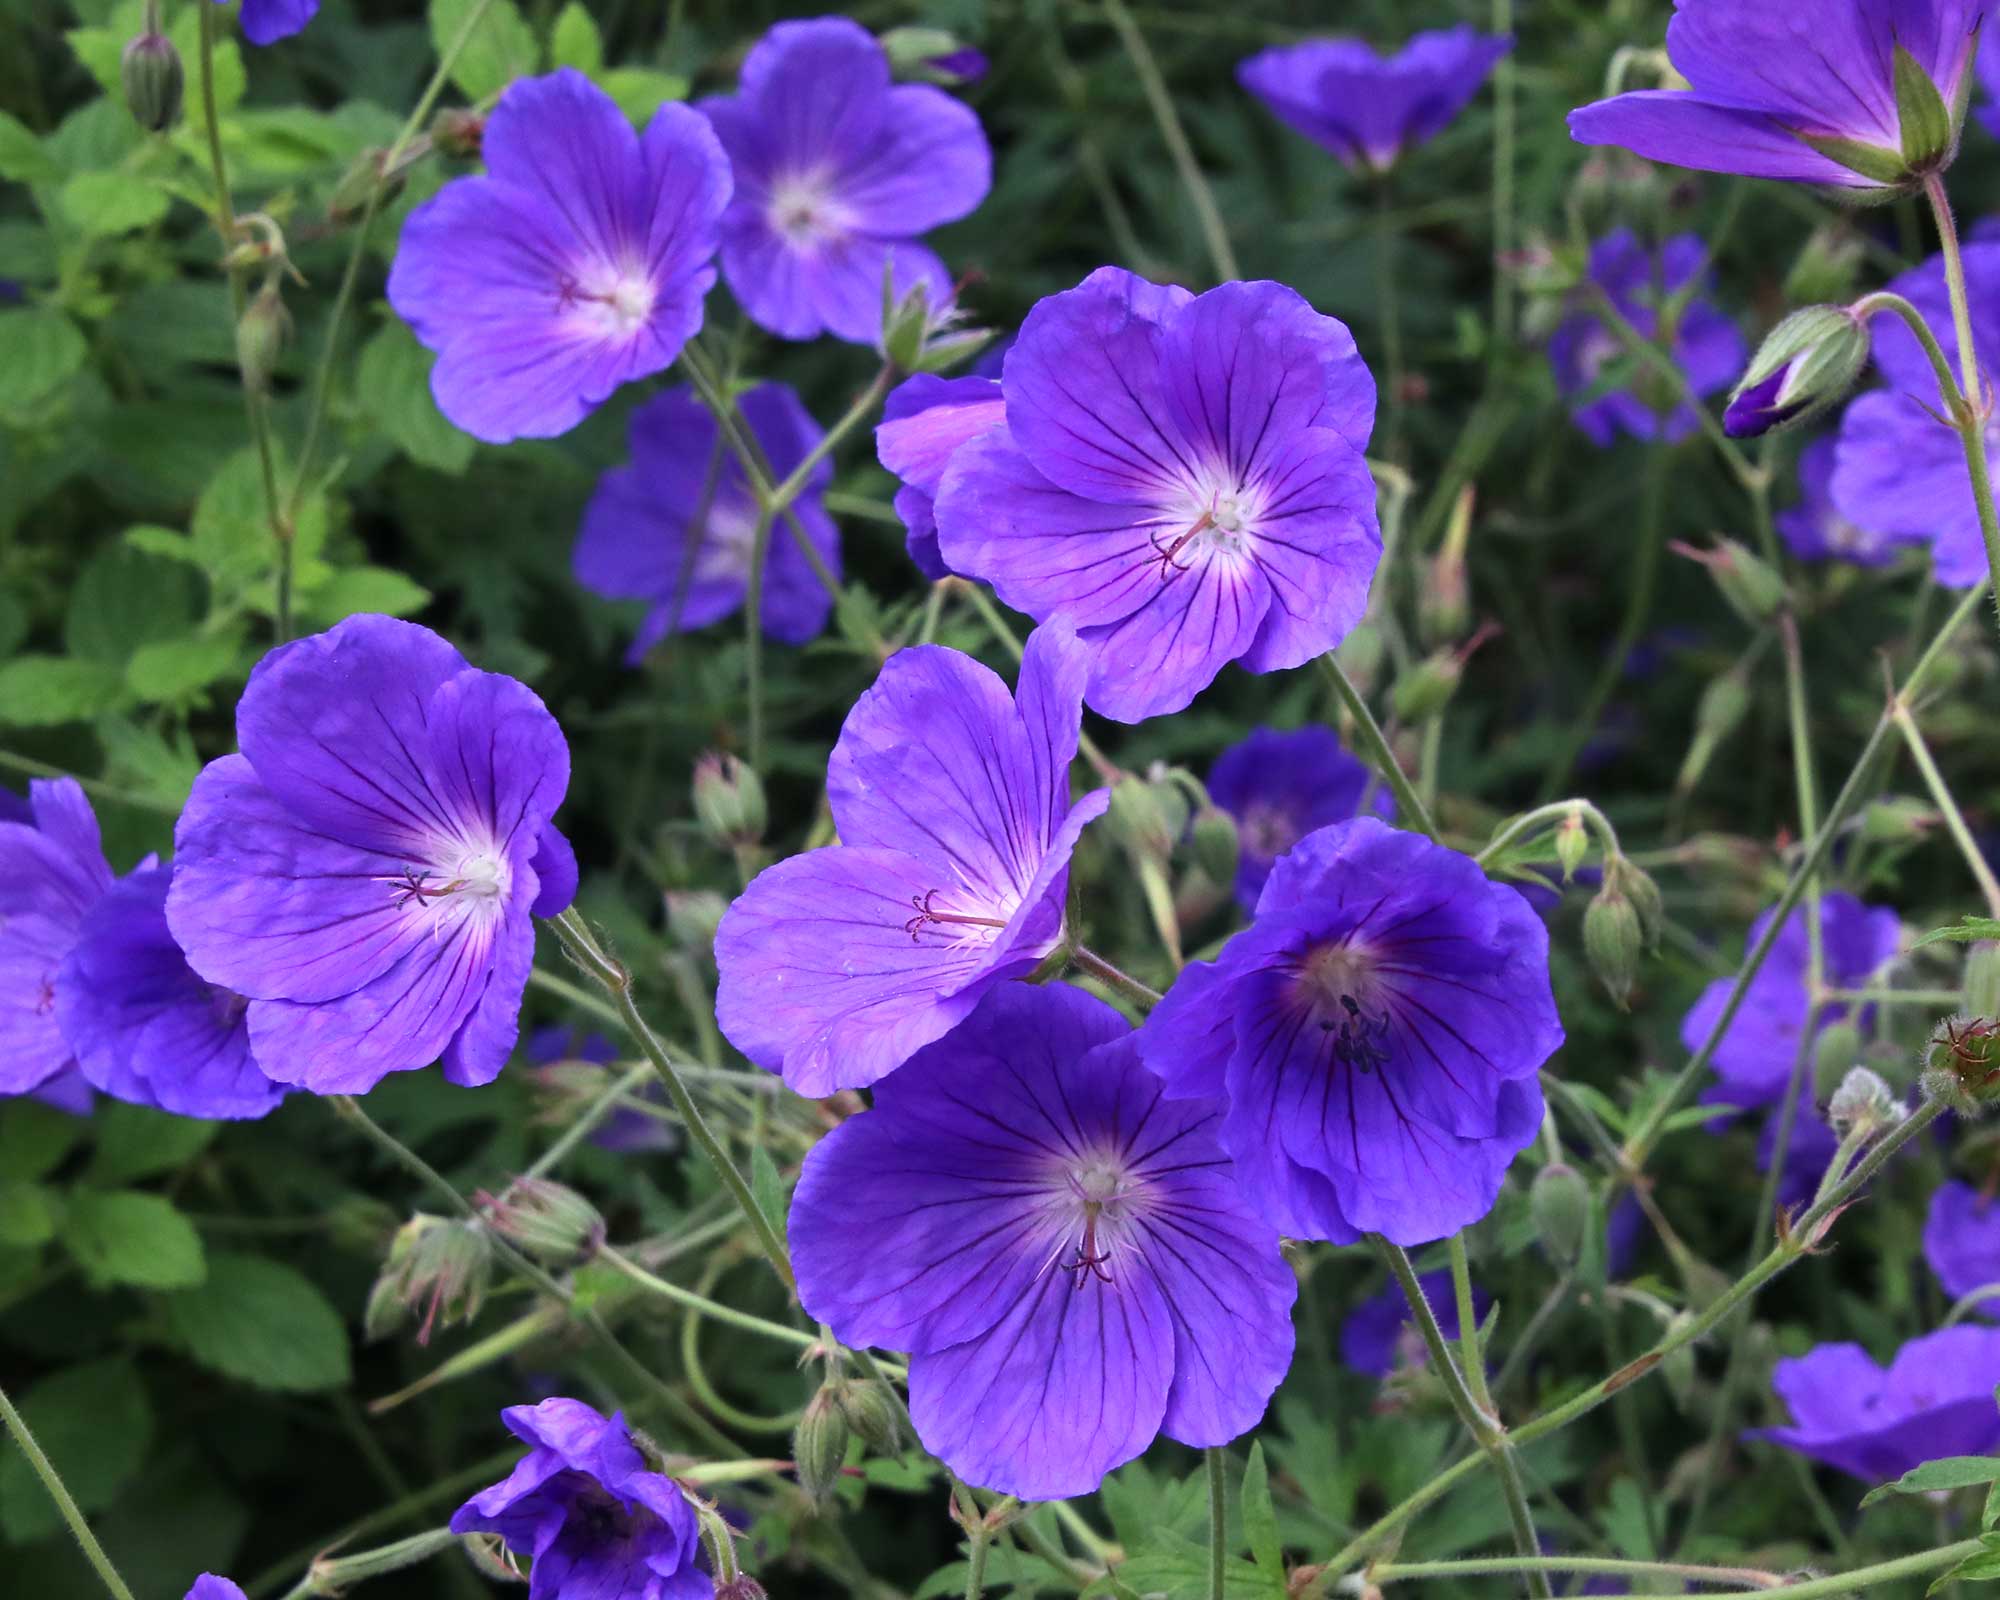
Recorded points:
(1202, 616)
(927, 164)
(268, 906)
(1065, 1388)
(1684, 130)
(481, 1047)
(927, 418)
(497, 766)
(1087, 394)
(337, 726)
(32, 1049)
(1317, 544)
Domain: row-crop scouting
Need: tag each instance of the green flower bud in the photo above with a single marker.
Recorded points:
(728, 801)
(1138, 818)
(151, 72)
(1612, 940)
(458, 132)
(1215, 845)
(1898, 819)
(546, 1220)
(1560, 1202)
(1444, 604)
(872, 1412)
(1360, 655)
(932, 55)
(1750, 585)
(1962, 1062)
(1834, 1056)
(1572, 844)
(1806, 364)
(1637, 886)
(819, 1443)
(261, 336)
(1827, 267)
(440, 1263)
(1426, 687)
(693, 915)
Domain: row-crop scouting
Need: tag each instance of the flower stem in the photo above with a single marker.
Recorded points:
(1413, 809)
(1520, 827)
(701, 1305)
(1954, 819)
(1970, 410)
(45, 1469)
(1218, 1520)
(593, 1114)
(1750, 1579)
(1503, 182)
(1389, 315)
(1113, 977)
(331, 1575)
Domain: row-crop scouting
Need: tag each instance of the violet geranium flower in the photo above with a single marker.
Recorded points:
(1705, 344)
(1962, 1242)
(637, 529)
(1057, 1243)
(586, 1511)
(837, 173)
(1180, 478)
(52, 871)
(1815, 530)
(1805, 93)
(1376, 1032)
(1369, 109)
(364, 873)
(1381, 1335)
(209, 1587)
(1899, 470)
(956, 829)
(144, 1027)
(268, 21)
(924, 422)
(1935, 1399)
(576, 264)
(1280, 787)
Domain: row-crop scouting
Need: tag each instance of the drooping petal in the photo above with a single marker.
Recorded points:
(554, 866)
(1685, 130)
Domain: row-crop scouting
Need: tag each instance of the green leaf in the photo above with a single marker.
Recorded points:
(39, 691)
(104, 204)
(232, 530)
(1947, 1472)
(261, 1323)
(1991, 1514)
(1260, 1520)
(375, 589)
(95, 1424)
(393, 386)
(500, 49)
(1924, 118)
(640, 91)
(28, 1213)
(171, 670)
(1980, 1565)
(137, 1142)
(575, 41)
(1180, 1567)
(124, 598)
(44, 351)
(34, 1138)
(1968, 930)
(768, 1188)
(120, 1236)
(22, 158)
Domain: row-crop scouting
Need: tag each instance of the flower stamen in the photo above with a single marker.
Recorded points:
(927, 913)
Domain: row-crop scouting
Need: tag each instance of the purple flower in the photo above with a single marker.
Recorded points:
(1754, 1059)
(1987, 70)
(1935, 1399)
(1376, 1032)
(1962, 1242)
(925, 421)
(584, 1509)
(1282, 786)
(1804, 93)
(268, 21)
(52, 871)
(1815, 530)
(1381, 1335)
(364, 872)
(1704, 344)
(1624, 1232)
(1366, 108)
(837, 173)
(956, 828)
(634, 544)
(144, 1027)
(209, 1587)
(1898, 470)
(1057, 1243)
(624, 1130)
(578, 263)
(1178, 477)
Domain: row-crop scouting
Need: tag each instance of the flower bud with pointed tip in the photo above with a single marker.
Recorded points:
(1898, 819)
(547, 1220)
(872, 1412)
(729, 801)
(819, 1443)
(1612, 940)
(931, 55)
(1559, 1201)
(154, 80)
(1572, 844)
(1807, 364)
(262, 333)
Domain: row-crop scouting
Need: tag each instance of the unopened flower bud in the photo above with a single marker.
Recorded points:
(1834, 1056)
(1806, 364)
(872, 1412)
(1572, 844)
(261, 336)
(1559, 1200)
(1826, 267)
(931, 55)
(548, 1221)
(1215, 845)
(1962, 1063)
(819, 1443)
(151, 72)
(458, 132)
(1138, 819)
(1717, 714)
(1982, 980)
(1360, 655)
(1751, 585)
(1612, 940)
(693, 915)
(728, 801)
(436, 1262)
(1863, 1103)
(365, 174)
(1897, 819)
(1426, 687)
(1637, 885)
(740, 1587)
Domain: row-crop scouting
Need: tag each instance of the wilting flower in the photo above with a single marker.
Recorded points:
(682, 487)
(582, 1506)
(1703, 343)
(143, 1026)
(1282, 786)
(925, 421)
(364, 872)
(1805, 93)
(268, 21)
(956, 828)
(1962, 1242)
(209, 1587)
(1057, 1244)
(1180, 478)
(1899, 470)
(1935, 1399)
(1366, 108)
(625, 1129)
(52, 871)
(1381, 1335)
(837, 172)
(1815, 530)
(1376, 1032)
(577, 263)
(1754, 1058)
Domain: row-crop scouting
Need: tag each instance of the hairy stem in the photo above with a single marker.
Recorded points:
(1969, 412)
(72, 1514)
(1414, 811)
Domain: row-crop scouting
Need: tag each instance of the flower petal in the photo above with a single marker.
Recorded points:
(927, 164)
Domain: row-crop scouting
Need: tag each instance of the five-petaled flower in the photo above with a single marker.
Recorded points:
(1282, 786)
(837, 172)
(1057, 1244)
(956, 828)
(210, 1587)
(678, 524)
(364, 872)
(1370, 109)
(1376, 1032)
(576, 264)
(1178, 477)
(586, 1511)
(1807, 93)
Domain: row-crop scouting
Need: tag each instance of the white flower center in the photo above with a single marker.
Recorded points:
(805, 212)
(612, 299)
(1094, 1207)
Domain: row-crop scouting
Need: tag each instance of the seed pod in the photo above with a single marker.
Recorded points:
(548, 1221)
(151, 72)
(728, 801)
